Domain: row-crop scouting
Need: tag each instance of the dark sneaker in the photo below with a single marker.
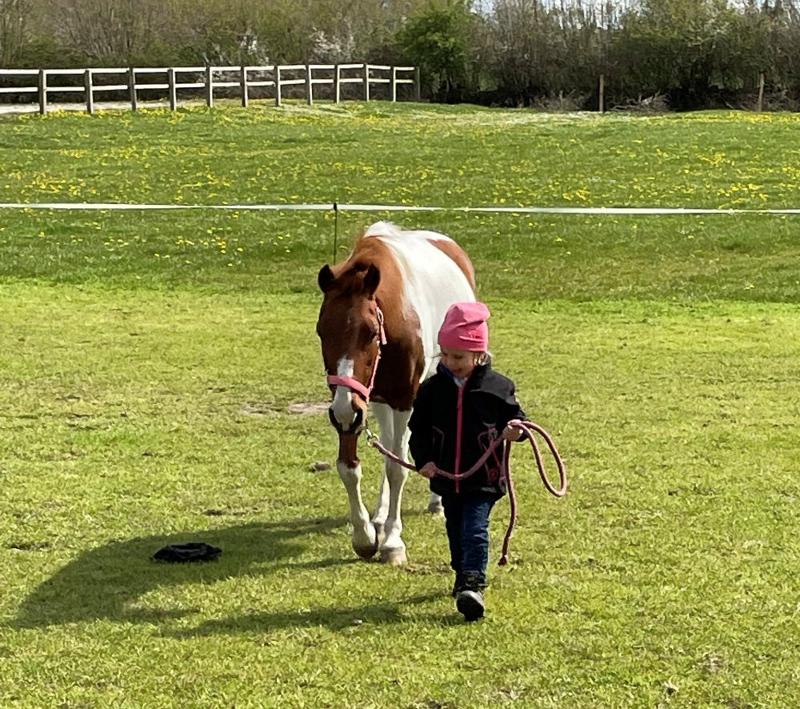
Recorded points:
(473, 580)
(470, 604)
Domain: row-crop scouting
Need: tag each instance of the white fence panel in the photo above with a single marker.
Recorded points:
(54, 83)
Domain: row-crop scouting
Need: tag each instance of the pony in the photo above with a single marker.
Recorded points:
(378, 324)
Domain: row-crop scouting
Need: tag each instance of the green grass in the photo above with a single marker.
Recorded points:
(149, 363)
(402, 154)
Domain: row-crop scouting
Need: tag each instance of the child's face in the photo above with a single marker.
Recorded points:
(460, 362)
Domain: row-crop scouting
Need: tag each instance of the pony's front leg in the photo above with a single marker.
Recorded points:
(394, 436)
(382, 508)
(365, 540)
(393, 548)
(383, 413)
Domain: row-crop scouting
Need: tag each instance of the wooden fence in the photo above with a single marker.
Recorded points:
(273, 79)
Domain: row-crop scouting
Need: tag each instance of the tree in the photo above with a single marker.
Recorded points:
(437, 41)
(13, 29)
(108, 31)
(681, 47)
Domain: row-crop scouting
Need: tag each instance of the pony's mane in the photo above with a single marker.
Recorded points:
(382, 229)
(363, 252)
(392, 232)
(378, 229)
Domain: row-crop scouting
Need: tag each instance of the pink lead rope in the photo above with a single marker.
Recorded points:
(528, 428)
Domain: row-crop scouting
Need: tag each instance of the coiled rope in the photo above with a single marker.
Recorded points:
(527, 428)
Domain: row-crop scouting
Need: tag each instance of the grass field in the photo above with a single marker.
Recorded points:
(152, 364)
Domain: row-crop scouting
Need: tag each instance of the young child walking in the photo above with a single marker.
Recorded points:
(458, 413)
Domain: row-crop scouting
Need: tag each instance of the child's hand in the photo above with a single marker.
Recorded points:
(428, 470)
(512, 433)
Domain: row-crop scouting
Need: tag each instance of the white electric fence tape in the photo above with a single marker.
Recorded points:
(600, 211)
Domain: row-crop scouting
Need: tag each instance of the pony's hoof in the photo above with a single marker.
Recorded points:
(435, 508)
(393, 557)
(366, 552)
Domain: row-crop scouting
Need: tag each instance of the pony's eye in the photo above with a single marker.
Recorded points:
(370, 331)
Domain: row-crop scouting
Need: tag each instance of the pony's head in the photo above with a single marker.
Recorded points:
(350, 329)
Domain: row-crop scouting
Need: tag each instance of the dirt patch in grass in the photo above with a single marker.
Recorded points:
(308, 408)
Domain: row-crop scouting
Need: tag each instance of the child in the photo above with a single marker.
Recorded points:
(457, 414)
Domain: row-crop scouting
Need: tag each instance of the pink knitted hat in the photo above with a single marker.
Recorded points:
(465, 328)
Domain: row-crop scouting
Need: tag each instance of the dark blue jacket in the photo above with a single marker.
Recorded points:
(453, 426)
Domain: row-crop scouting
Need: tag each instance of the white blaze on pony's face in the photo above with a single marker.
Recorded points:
(342, 406)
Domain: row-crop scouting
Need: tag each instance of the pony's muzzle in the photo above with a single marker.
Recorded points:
(355, 427)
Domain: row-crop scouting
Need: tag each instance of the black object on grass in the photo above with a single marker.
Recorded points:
(189, 551)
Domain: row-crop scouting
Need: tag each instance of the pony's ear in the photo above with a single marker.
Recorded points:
(325, 278)
(371, 279)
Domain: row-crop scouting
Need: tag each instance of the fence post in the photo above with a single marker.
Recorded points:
(132, 87)
(417, 85)
(209, 87)
(309, 92)
(366, 82)
(245, 90)
(42, 91)
(761, 92)
(173, 92)
(394, 83)
(602, 94)
(277, 85)
(87, 84)
(337, 73)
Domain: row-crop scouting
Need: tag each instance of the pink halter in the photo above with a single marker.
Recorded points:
(352, 383)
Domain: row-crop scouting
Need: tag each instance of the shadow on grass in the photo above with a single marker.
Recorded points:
(336, 619)
(105, 582)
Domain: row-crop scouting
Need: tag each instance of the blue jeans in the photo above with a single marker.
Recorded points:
(467, 522)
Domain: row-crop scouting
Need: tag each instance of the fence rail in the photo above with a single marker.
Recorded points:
(139, 81)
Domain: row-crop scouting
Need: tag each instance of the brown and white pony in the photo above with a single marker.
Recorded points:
(378, 326)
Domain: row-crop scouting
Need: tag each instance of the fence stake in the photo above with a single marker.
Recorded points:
(87, 83)
(173, 93)
(309, 92)
(417, 85)
(337, 74)
(366, 82)
(132, 87)
(209, 87)
(602, 92)
(245, 91)
(761, 92)
(335, 229)
(42, 91)
(394, 83)
(277, 85)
